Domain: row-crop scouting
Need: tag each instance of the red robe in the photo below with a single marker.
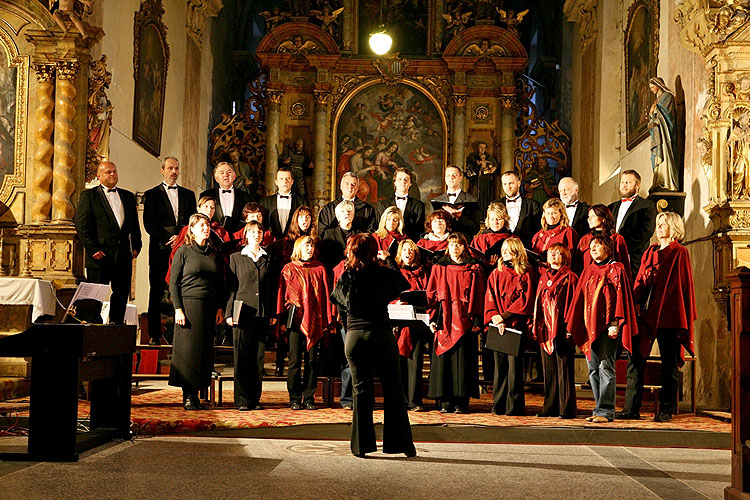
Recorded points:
(486, 239)
(385, 243)
(621, 252)
(417, 279)
(458, 291)
(602, 296)
(306, 285)
(218, 234)
(554, 295)
(565, 235)
(240, 235)
(512, 296)
(433, 246)
(668, 271)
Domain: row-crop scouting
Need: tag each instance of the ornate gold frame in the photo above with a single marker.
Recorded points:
(340, 105)
(22, 96)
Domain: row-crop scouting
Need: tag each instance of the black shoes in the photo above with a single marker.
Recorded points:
(279, 371)
(243, 408)
(417, 408)
(192, 402)
(461, 410)
(309, 405)
(347, 406)
(627, 415)
(542, 414)
(294, 405)
(227, 342)
(154, 341)
(663, 417)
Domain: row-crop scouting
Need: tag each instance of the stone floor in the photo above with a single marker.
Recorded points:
(228, 468)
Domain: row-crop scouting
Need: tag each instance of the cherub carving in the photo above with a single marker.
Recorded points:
(273, 17)
(297, 46)
(456, 23)
(328, 18)
(73, 10)
(484, 49)
(511, 19)
(728, 19)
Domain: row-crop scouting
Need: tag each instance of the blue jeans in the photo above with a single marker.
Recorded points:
(602, 375)
(346, 377)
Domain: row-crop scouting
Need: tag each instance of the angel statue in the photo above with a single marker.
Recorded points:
(328, 18)
(484, 49)
(273, 17)
(511, 19)
(73, 10)
(297, 46)
(456, 23)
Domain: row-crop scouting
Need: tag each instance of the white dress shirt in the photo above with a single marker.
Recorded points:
(226, 200)
(514, 210)
(283, 207)
(624, 207)
(246, 251)
(115, 203)
(173, 198)
(571, 211)
(401, 202)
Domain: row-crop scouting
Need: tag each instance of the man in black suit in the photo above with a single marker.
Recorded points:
(578, 211)
(525, 213)
(364, 214)
(466, 220)
(411, 208)
(635, 221)
(106, 221)
(167, 208)
(229, 201)
(281, 206)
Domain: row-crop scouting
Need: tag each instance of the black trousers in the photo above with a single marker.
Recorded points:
(559, 380)
(302, 378)
(669, 349)
(248, 363)
(117, 274)
(371, 352)
(158, 264)
(508, 395)
(411, 370)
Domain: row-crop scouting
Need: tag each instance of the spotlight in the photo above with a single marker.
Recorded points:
(381, 42)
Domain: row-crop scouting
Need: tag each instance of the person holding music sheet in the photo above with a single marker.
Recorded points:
(496, 230)
(411, 208)
(390, 229)
(303, 294)
(437, 229)
(555, 228)
(196, 286)
(554, 294)
(456, 288)
(600, 317)
(665, 302)
(362, 295)
(465, 218)
(601, 222)
(250, 294)
(509, 304)
(412, 340)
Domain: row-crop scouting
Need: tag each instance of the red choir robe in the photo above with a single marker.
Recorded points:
(554, 295)
(385, 243)
(621, 252)
(218, 236)
(417, 278)
(433, 246)
(457, 291)
(603, 295)
(487, 238)
(565, 235)
(511, 296)
(240, 235)
(306, 285)
(668, 275)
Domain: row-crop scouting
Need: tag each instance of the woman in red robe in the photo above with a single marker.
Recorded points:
(412, 341)
(456, 287)
(304, 288)
(666, 305)
(252, 211)
(554, 294)
(601, 316)
(602, 222)
(555, 228)
(390, 229)
(496, 230)
(437, 226)
(509, 303)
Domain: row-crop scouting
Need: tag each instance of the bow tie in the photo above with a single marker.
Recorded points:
(226, 190)
(572, 205)
(513, 200)
(632, 198)
(404, 197)
(286, 197)
(171, 187)
(452, 195)
(113, 190)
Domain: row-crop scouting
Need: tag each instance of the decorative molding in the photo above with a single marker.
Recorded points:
(344, 84)
(459, 100)
(321, 100)
(588, 29)
(297, 45)
(507, 103)
(65, 136)
(197, 12)
(740, 219)
(714, 106)
(42, 181)
(275, 96)
(439, 87)
(391, 68)
(67, 70)
(298, 108)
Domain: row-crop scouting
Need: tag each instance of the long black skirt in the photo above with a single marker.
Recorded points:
(453, 374)
(193, 350)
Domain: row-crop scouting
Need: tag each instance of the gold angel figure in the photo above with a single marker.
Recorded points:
(73, 10)
(297, 46)
(273, 17)
(484, 49)
(328, 18)
(511, 19)
(455, 24)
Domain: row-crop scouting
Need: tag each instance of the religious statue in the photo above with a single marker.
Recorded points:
(739, 149)
(328, 18)
(73, 10)
(273, 17)
(298, 161)
(455, 22)
(539, 182)
(662, 124)
(511, 19)
(703, 146)
(247, 177)
(481, 167)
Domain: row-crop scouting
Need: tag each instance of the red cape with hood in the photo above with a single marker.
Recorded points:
(565, 235)
(554, 295)
(307, 286)
(511, 296)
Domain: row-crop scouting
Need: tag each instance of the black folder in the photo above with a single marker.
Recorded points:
(468, 205)
(430, 255)
(289, 319)
(243, 314)
(508, 343)
(417, 298)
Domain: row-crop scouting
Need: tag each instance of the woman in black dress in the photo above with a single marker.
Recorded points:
(196, 285)
(371, 348)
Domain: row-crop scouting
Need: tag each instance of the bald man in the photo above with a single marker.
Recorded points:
(106, 221)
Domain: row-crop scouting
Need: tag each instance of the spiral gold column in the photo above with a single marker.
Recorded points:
(63, 183)
(321, 180)
(40, 184)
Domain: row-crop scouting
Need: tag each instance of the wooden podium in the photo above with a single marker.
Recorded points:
(63, 355)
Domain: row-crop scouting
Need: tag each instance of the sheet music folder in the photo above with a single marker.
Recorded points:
(508, 343)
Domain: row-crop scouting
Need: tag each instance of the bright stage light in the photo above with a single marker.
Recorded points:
(380, 43)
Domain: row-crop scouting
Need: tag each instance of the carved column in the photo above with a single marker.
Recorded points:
(320, 175)
(346, 25)
(459, 129)
(507, 131)
(40, 186)
(272, 135)
(65, 135)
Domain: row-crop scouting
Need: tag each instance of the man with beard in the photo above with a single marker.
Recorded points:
(577, 210)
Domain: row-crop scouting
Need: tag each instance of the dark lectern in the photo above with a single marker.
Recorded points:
(63, 355)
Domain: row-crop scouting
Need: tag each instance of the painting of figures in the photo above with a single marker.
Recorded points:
(7, 116)
(384, 127)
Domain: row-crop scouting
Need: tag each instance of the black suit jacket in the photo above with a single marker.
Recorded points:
(364, 217)
(250, 282)
(413, 215)
(235, 223)
(98, 230)
(529, 220)
(158, 217)
(637, 228)
(332, 245)
(580, 220)
(272, 214)
(469, 222)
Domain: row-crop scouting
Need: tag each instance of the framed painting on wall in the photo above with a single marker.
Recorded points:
(641, 58)
(150, 62)
(14, 74)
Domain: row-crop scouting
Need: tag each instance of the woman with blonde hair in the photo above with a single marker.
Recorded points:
(497, 228)
(509, 303)
(555, 228)
(390, 229)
